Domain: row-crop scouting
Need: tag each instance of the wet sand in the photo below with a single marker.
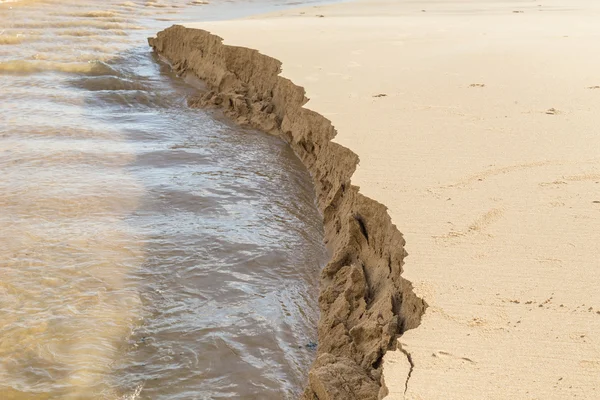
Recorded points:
(476, 126)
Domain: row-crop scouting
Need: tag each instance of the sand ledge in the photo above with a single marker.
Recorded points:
(364, 301)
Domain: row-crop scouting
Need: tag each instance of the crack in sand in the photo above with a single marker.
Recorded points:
(410, 371)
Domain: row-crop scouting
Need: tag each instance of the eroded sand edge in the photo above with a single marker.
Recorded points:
(364, 301)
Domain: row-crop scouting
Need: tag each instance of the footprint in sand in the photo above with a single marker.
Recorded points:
(486, 219)
(477, 226)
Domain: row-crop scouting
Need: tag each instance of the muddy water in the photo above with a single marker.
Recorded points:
(146, 250)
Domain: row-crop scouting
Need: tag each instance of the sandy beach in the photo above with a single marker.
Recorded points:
(477, 126)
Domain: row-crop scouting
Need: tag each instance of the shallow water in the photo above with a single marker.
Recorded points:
(148, 250)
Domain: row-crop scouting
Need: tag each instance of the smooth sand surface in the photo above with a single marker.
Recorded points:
(478, 125)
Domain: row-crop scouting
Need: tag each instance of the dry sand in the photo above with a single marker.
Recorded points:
(477, 124)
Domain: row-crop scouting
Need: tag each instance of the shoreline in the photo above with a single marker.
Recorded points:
(480, 140)
(365, 303)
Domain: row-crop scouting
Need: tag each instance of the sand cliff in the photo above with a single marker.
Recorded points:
(365, 303)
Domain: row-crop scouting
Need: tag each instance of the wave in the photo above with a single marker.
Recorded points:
(26, 67)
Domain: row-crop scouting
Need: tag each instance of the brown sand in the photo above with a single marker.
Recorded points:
(476, 124)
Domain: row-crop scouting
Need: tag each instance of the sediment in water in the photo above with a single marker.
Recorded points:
(365, 303)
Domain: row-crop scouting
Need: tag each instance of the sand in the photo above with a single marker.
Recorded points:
(476, 124)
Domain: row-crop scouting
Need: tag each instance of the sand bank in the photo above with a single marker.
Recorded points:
(477, 126)
(365, 303)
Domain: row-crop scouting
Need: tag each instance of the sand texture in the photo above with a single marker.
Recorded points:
(477, 125)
